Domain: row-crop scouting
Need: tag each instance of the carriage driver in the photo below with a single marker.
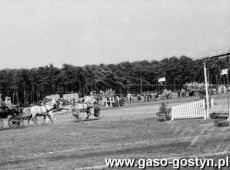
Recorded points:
(90, 105)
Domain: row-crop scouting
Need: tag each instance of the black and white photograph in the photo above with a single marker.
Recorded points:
(114, 84)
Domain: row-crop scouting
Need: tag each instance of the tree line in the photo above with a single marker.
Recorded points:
(32, 85)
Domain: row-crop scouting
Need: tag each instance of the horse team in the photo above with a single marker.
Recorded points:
(47, 108)
(87, 106)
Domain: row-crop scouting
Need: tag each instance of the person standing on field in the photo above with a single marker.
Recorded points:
(129, 97)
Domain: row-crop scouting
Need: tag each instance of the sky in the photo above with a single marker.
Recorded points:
(35, 33)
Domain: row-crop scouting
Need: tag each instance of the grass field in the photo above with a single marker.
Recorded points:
(131, 131)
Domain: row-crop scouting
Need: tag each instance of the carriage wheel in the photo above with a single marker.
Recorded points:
(1, 123)
(97, 111)
(13, 122)
(73, 117)
(96, 114)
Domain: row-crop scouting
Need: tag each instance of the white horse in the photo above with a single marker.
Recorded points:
(87, 106)
(45, 110)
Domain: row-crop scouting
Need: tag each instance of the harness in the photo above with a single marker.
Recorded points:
(47, 110)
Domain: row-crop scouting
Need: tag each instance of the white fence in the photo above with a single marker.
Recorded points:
(194, 109)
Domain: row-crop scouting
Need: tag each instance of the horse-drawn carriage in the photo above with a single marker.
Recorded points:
(88, 106)
(14, 115)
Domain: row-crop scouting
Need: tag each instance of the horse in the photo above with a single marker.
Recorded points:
(87, 106)
(44, 110)
(167, 94)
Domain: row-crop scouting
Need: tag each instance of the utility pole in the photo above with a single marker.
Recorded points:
(206, 90)
(228, 89)
(216, 56)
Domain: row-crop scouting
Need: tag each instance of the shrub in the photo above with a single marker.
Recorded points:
(164, 112)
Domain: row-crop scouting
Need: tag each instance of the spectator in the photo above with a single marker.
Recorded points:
(138, 98)
(145, 97)
(157, 95)
(225, 90)
(178, 93)
(129, 97)
(118, 101)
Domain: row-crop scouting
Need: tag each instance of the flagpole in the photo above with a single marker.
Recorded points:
(228, 98)
(165, 79)
(206, 90)
(228, 89)
(225, 72)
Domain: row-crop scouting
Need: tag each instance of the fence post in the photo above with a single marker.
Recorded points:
(204, 111)
(172, 113)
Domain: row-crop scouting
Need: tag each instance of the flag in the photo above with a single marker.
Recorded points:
(161, 79)
(224, 71)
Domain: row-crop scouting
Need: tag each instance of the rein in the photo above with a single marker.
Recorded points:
(47, 110)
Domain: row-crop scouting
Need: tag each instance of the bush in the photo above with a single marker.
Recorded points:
(164, 112)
